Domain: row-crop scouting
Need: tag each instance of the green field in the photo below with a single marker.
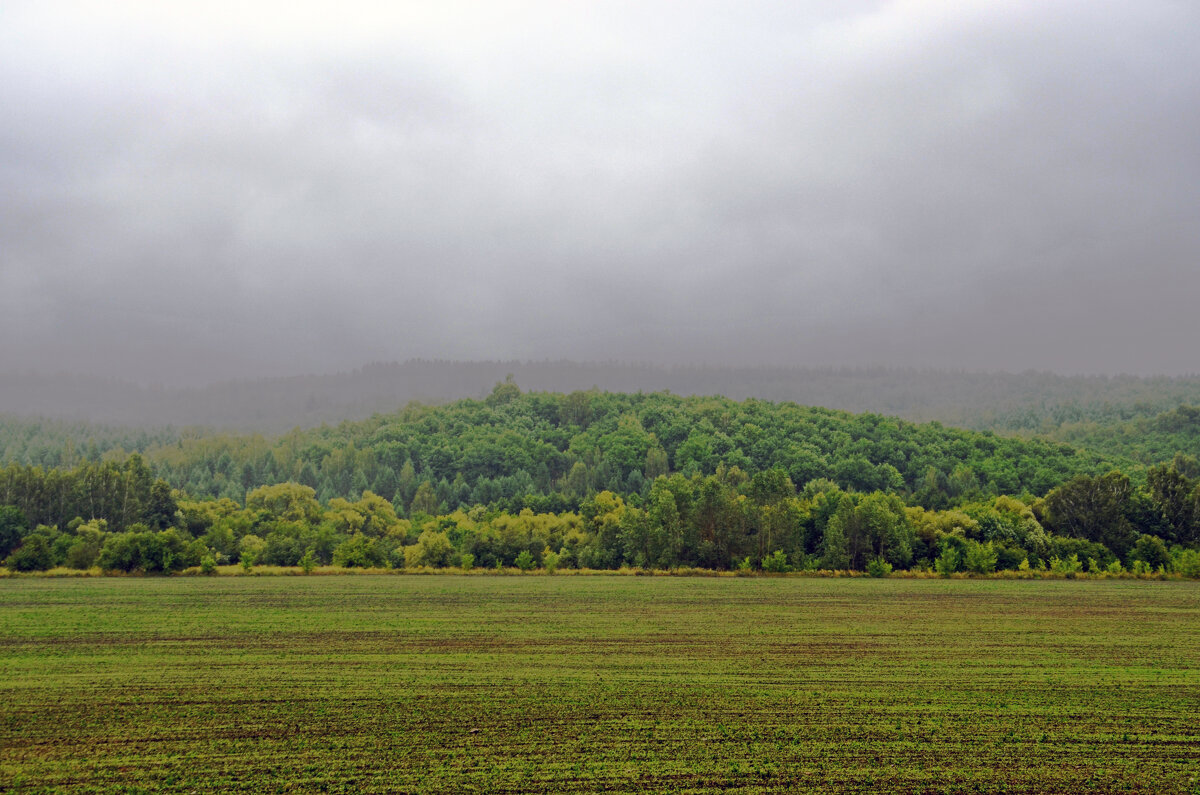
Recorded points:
(569, 684)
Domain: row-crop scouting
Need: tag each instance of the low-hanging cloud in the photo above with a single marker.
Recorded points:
(195, 192)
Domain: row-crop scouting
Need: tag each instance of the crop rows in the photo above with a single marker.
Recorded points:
(540, 684)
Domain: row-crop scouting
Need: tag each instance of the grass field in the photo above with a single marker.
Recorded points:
(567, 684)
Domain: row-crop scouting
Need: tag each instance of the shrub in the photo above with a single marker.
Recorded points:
(1009, 557)
(1068, 566)
(309, 561)
(120, 553)
(1187, 563)
(193, 553)
(358, 551)
(432, 549)
(980, 558)
(467, 561)
(743, 567)
(169, 551)
(525, 561)
(1082, 549)
(249, 550)
(33, 555)
(776, 562)
(1152, 551)
(878, 567)
(550, 561)
(948, 562)
(208, 565)
(284, 547)
(148, 551)
(83, 554)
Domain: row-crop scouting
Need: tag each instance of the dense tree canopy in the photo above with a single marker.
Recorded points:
(602, 480)
(515, 448)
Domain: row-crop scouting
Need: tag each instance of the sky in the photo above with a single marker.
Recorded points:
(192, 192)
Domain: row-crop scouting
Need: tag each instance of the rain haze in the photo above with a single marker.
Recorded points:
(196, 192)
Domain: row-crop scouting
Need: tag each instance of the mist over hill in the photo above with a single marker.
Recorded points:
(1026, 402)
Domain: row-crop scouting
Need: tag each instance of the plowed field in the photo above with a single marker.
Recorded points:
(581, 684)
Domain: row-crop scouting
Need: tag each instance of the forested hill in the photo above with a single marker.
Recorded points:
(1025, 402)
(596, 479)
(50, 443)
(1148, 440)
(515, 446)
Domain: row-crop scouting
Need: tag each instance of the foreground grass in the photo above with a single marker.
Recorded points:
(532, 684)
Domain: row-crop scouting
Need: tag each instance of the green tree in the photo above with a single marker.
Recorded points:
(576, 481)
(949, 561)
(601, 514)
(835, 549)
(666, 531)
(358, 551)
(656, 462)
(406, 488)
(980, 558)
(886, 529)
(878, 567)
(425, 500)
(121, 552)
(250, 548)
(1175, 496)
(33, 555)
(161, 507)
(1093, 508)
(576, 409)
(85, 550)
(290, 502)
(639, 545)
(432, 549)
(776, 562)
(1152, 551)
(771, 486)
(628, 446)
(504, 392)
(309, 562)
(136, 485)
(13, 525)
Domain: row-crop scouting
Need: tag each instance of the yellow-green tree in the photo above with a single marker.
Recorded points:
(290, 502)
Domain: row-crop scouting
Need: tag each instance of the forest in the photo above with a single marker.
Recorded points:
(602, 480)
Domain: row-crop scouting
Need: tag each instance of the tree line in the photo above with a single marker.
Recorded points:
(600, 480)
(729, 519)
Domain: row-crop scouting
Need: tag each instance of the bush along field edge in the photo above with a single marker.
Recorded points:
(722, 523)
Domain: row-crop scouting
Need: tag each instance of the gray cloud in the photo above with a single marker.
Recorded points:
(192, 192)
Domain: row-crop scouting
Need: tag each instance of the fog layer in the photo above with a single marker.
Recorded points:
(191, 192)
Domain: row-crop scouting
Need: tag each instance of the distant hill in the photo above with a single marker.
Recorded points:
(514, 444)
(1031, 402)
(1147, 440)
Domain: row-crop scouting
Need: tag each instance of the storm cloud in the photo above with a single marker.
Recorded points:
(191, 192)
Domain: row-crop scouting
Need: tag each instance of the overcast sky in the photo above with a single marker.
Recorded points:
(203, 191)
